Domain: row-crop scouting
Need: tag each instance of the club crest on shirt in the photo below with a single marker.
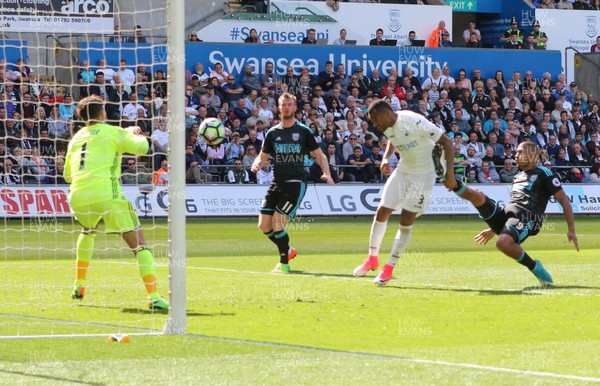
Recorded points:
(533, 178)
(295, 137)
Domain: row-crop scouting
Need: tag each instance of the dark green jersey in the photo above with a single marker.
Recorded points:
(532, 189)
(288, 146)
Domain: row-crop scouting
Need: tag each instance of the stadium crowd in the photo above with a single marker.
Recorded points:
(486, 119)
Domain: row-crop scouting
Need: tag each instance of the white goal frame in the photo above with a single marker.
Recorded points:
(176, 321)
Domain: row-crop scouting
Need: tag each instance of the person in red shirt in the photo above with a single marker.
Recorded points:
(596, 47)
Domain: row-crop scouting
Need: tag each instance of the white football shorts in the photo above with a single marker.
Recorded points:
(411, 192)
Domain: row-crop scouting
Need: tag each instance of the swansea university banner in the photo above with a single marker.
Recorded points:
(421, 60)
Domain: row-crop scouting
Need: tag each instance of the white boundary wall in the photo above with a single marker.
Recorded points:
(245, 200)
(577, 29)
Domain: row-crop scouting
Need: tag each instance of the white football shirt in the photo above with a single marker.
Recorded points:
(414, 137)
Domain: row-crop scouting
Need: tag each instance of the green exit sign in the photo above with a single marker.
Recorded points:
(464, 5)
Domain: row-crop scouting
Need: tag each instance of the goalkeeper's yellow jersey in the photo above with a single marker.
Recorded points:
(93, 162)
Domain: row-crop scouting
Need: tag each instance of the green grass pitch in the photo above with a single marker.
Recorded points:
(455, 313)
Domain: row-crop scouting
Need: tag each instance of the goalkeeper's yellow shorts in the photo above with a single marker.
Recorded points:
(118, 215)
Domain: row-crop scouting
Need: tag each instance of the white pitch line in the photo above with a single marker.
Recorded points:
(405, 359)
(291, 346)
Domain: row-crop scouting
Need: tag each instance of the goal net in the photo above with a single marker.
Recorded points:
(53, 53)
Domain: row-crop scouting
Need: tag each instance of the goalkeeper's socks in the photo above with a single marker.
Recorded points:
(84, 252)
(400, 242)
(147, 269)
(526, 260)
(283, 245)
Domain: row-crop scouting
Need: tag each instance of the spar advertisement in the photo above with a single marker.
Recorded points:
(245, 200)
(48, 16)
(577, 29)
(289, 22)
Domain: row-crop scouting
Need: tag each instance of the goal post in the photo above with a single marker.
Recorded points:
(43, 55)
(176, 322)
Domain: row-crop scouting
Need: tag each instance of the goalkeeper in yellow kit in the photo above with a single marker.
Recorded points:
(93, 167)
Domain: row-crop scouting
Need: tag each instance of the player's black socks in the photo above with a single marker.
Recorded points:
(271, 235)
(283, 244)
(526, 260)
(460, 187)
(487, 209)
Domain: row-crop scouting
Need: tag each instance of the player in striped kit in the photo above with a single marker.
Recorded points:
(288, 143)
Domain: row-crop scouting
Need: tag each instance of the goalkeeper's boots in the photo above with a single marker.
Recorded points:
(542, 275)
(158, 303)
(291, 254)
(370, 264)
(384, 276)
(281, 268)
(78, 293)
(438, 165)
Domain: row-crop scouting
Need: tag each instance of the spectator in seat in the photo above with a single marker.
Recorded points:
(446, 42)
(310, 37)
(508, 172)
(468, 33)
(362, 169)
(100, 87)
(270, 79)
(160, 142)
(237, 174)
(488, 174)
(435, 39)
(116, 37)
(378, 40)
(161, 175)
(595, 169)
(596, 47)
(265, 175)
(194, 173)
(146, 76)
(160, 84)
(252, 37)
(472, 176)
(57, 124)
(11, 174)
(135, 174)
(233, 92)
(250, 81)
(194, 38)
(127, 75)
(137, 37)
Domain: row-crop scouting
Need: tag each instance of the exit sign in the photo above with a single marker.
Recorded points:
(464, 5)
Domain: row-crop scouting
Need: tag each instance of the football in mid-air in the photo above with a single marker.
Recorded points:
(212, 131)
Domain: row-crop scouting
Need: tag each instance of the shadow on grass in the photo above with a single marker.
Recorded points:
(49, 377)
(319, 274)
(166, 312)
(524, 291)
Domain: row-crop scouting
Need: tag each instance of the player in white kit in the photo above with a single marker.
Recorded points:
(408, 189)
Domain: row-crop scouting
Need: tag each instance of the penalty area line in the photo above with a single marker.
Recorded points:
(404, 359)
